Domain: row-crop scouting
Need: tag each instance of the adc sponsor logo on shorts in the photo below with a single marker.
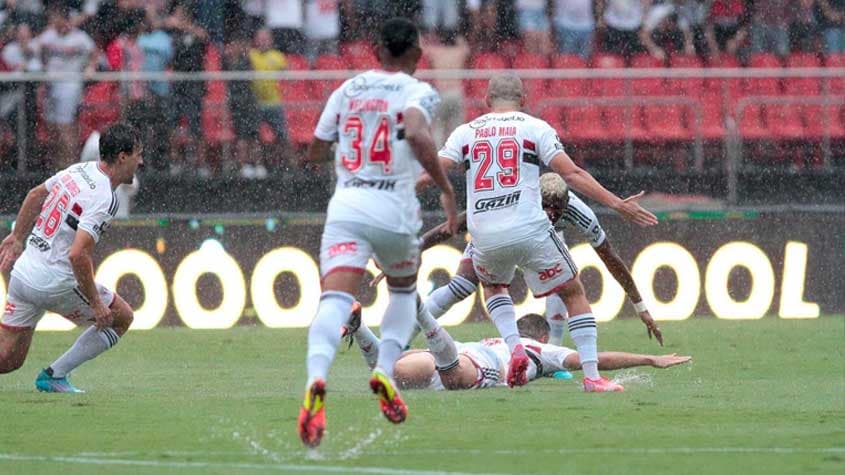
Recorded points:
(10, 308)
(497, 203)
(343, 248)
(550, 273)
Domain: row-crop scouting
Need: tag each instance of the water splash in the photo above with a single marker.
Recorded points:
(633, 378)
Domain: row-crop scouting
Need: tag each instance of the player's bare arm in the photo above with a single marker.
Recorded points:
(318, 150)
(611, 360)
(81, 258)
(13, 245)
(418, 135)
(622, 274)
(580, 180)
(440, 233)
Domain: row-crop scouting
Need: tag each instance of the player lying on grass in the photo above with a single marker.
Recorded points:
(61, 221)
(566, 211)
(452, 365)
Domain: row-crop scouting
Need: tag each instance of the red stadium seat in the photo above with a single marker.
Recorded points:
(100, 107)
(328, 62)
(709, 101)
(301, 90)
(753, 122)
(833, 121)
(535, 88)
(613, 115)
(576, 123)
(477, 88)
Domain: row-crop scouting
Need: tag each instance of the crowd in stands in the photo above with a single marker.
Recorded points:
(83, 36)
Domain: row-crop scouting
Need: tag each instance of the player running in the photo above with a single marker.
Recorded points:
(61, 221)
(501, 152)
(453, 365)
(381, 121)
(565, 210)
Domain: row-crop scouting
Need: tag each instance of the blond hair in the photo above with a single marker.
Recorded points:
(505, 88)
(553, 189)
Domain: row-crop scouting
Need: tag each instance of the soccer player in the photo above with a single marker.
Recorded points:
(452, 365)
(501, 152)
(565, 210)
(61, 221)
(381, 120)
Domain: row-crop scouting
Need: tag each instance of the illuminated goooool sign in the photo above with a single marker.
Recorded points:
(212, 259)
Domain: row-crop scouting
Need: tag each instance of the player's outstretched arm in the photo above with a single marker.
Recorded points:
(622, 274)
(81, 258)
(611, 360)
(12, 246)
(418, 135)
(581, 181)
(440, 233)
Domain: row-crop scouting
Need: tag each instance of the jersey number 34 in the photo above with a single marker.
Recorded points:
(379, 149)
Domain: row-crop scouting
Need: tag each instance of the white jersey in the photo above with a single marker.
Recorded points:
(501, 153)
(80, 197)
(545, 359)
(65, 53)
(582, 217)
(376, 168)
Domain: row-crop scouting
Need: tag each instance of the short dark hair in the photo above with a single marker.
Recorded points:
(533, 326)
(398, 35)
(117, 138)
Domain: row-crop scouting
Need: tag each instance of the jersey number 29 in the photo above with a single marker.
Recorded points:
(507, 156)
(379, 149)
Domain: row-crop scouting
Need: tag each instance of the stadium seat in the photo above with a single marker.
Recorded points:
(328, 62)
(656, 122)
(610, 88)
(100, 107)
(834, 114)
(753, 123)
(802, 87)
(580, 123)
(477, 88)
(301, 90)
(535, 88)
(709, 101)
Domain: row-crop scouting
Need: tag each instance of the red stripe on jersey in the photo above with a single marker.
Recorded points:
(465, 150)
(529, 145)
(399, 118)
(77, 210)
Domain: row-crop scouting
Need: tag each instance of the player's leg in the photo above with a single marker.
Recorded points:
(398, 256)
(361, 334)
(90, 343)
(551, 270)
(461, 286)
(556, 315)
(344, 253)
(439, 342)
(17, 326)
(496, 269)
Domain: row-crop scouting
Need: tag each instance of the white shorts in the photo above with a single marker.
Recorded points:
(467, 257)
(489, 370)
(25, 306)
(544, 260)
(348, 246)
(63, 99)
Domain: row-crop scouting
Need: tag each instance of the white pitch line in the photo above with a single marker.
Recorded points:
(627, 451)
(253, 466)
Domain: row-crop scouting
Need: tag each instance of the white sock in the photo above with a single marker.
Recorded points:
(556, 317)
(88, 346)
(397, 325)
(443, 298)
(439, 341)
(368, 344)
(503, 315)
(324, 334)
(582, 329)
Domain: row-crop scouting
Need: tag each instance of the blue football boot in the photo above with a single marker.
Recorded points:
(46, 383)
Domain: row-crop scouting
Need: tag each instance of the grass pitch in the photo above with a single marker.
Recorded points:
(760, 397)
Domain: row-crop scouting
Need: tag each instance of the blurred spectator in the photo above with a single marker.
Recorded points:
(621, 21)
(22, 54)
(322, 27)
(447, 50)
(663, 32)
(285, 18)
(361, 19)
(770, 26)
(244, 110)
(65, 50)
(575, 26)
(534, 26)
(726, 30)
(831, 18)
(484, 31)
(30, 12)
(189, 50)
(109, 19)
(440, 15)
(124, 54)
(210, 15)
(264, 58)
(254, 12)
(803, 32)
(693, 14)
